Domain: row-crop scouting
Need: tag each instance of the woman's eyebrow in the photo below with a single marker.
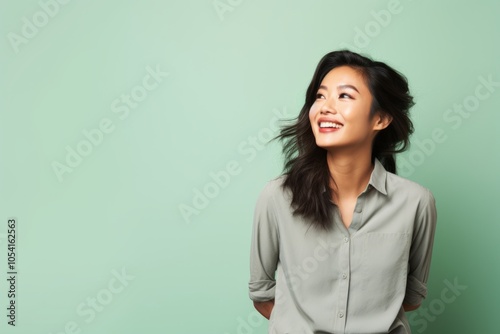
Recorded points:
(340, 87)
(347, 86)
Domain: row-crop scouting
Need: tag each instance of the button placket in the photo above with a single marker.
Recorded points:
(345, 255)
(357, 221)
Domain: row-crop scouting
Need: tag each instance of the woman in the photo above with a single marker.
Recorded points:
(340, 243)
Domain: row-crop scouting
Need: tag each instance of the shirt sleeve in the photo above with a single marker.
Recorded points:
(264, 250)
(421, 251)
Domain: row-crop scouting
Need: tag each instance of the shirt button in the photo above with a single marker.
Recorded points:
(346, 239)
(344, 276)
(341, 315)
(358, 208)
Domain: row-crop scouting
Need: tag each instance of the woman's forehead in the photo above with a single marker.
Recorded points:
(344, 76)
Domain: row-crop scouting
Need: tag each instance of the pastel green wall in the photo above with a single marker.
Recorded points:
(231, 72)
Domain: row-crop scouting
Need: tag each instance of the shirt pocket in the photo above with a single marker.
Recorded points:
(384, 267)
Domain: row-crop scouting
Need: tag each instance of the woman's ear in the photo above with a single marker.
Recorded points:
(382, 120)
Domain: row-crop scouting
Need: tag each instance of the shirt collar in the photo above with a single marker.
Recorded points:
(378, 177)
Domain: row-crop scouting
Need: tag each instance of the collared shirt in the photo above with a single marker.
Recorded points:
(345, 280)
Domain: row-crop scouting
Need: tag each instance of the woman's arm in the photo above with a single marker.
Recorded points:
(421, 252)
(264, 252)
(264, 308)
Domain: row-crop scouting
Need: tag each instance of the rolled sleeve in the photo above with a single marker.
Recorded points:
(421, 251)
(264, 250)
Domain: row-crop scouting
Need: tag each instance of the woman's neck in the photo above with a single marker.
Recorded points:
(350, 173)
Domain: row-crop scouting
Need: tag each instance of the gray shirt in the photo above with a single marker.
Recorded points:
(346, 280)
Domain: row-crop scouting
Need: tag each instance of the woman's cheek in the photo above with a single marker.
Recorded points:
(312, 112)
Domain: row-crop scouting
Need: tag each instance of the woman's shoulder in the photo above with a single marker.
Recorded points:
(274, 186)
(274, 189)
(401, 185)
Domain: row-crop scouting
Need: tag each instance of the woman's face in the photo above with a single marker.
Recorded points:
(340, 115)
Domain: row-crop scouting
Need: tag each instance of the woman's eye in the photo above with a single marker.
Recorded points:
(320, 96)
(344, 96)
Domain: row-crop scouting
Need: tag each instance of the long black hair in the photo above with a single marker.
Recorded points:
(306, 171)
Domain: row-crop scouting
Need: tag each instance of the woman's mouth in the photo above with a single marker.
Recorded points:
(329, 126)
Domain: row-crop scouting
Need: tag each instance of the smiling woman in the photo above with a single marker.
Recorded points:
(343, 98)
(339, 178)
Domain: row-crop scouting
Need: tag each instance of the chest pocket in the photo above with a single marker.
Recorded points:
(383, 266)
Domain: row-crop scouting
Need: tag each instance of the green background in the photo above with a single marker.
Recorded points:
(231, 70)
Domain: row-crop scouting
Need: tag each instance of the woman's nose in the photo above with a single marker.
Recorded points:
(328, 107)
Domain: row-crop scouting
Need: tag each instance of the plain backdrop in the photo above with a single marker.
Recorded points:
(133, 145)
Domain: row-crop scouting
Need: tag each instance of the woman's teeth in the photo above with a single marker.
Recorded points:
(330, 125)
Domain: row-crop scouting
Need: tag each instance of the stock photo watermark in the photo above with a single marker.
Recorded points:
(33, 24)
(296, 276)
(222, 7)
(380, 20)
(88, 310)
(12, 270)
(421, 148)
(311, 263)
(253, 321)
(220, 179)
(449, 294)
(121, 108)
(455, 115)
